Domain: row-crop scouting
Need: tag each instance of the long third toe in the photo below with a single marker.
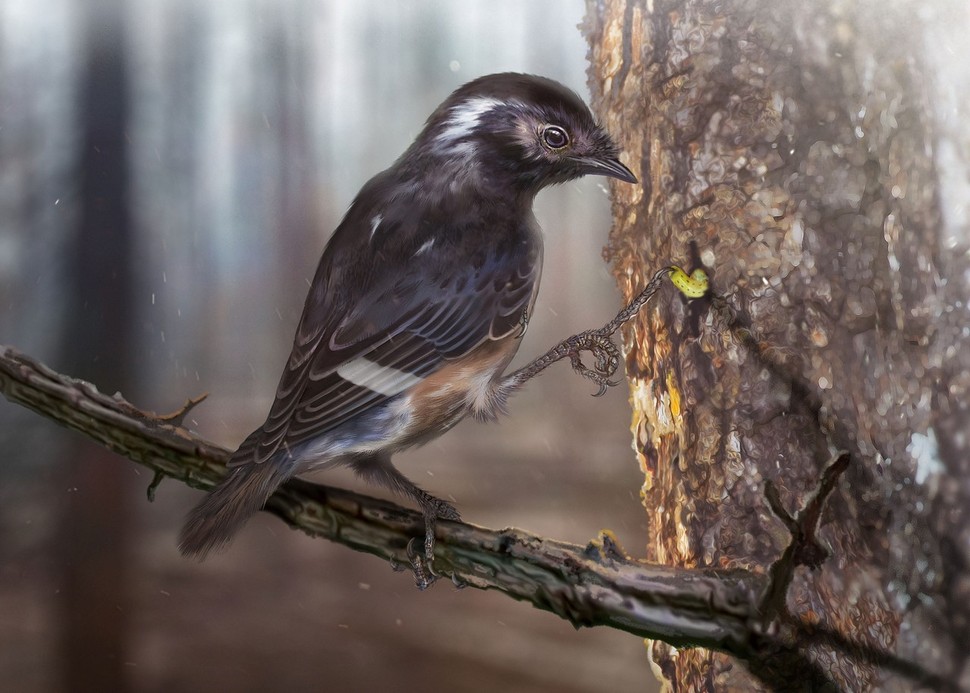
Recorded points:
(420, 566)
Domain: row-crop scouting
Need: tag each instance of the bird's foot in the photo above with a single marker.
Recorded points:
(422, 565)
(606, 357)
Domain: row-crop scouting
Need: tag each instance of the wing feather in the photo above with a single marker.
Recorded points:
(403, 327)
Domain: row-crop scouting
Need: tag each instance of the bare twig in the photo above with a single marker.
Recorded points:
(177, 417)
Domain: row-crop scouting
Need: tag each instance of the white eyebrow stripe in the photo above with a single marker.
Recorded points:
(465, 117)
(374, 223)
(381, 379)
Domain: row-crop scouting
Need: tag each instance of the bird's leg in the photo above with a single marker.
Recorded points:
(422, 566)
(599, 342)
(378, 469)
(432, 508)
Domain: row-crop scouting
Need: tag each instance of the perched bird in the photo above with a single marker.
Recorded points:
(420, 300)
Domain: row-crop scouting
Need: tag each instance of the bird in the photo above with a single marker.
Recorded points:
(419, 301)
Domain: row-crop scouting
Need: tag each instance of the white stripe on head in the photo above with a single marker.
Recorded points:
(464, 118)
(381, 379)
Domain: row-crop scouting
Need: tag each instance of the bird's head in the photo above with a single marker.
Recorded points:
(517, 130)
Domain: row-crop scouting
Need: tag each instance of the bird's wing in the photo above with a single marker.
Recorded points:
(398, 333)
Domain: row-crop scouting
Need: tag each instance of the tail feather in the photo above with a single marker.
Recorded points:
(211, 525)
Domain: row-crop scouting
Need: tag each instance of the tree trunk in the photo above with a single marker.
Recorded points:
(792, 151)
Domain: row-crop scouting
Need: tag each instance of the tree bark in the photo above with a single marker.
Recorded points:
(790, 150)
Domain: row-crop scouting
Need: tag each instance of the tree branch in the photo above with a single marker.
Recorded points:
(585, 585)
(592, 585)
(805, 548)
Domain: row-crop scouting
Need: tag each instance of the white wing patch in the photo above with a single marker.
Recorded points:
(381, 379)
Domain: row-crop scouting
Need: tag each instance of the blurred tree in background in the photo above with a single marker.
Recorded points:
(97, 344)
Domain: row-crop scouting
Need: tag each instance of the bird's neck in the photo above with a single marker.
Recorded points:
(445, 181)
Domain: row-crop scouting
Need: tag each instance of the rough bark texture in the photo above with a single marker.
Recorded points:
(790, 150)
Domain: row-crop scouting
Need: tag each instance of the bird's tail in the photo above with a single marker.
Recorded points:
(212, 524)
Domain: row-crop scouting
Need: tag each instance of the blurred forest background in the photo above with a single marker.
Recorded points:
(169, 174)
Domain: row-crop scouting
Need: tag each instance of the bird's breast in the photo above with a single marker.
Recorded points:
(466, 385)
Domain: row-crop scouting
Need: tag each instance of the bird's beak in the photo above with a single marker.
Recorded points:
(606, 167)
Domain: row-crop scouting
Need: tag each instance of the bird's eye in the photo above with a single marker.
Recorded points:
(555, 137)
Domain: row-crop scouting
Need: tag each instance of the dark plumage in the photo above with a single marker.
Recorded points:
(420, 299)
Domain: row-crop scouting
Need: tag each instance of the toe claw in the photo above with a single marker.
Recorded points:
(604, 384)
(412, 553)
